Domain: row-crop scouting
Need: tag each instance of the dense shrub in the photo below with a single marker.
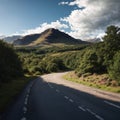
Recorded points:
(88, 63)
(10, 65)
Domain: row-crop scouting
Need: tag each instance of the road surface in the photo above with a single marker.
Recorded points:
(49, 97)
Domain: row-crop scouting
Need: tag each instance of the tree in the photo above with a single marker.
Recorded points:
(111, 43)
(10, 65)
(88, 63)
(114, 69)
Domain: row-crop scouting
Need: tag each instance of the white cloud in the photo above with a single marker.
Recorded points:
(2, 36)
(63, 3)
(94, 18)
(86, 23)
(57, 25)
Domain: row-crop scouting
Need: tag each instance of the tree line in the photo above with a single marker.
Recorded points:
(103, 57)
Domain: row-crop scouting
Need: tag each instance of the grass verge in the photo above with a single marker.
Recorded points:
(8, 91)
(92, 81)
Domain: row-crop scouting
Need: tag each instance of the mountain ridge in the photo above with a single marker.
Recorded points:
(11, 39)
(48, 36)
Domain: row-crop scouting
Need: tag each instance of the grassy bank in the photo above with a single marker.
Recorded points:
(96, 81)
(8, 91)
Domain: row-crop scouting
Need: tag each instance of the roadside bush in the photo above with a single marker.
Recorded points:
(10, 65)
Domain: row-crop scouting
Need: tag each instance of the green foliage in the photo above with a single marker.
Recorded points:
(71, 59)
(8, 91)
(114, 69)
(43, 59)
(111, 43)
(112, 47)
(101, 54)
(88, 63)
(10, 65)
(103, 57)
(50, 49)
(96, 58)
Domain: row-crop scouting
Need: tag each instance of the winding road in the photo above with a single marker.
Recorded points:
(50, 97)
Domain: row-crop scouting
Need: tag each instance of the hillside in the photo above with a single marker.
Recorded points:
(49, 36)
(11, 39)
(95, 40)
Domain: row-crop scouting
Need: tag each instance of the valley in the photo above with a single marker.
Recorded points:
(54, 52)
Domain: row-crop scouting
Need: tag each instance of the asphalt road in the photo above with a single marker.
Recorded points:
(45, 100)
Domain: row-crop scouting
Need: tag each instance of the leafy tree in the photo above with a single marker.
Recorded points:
(111, 43)
(114, 69)
(52, 67)
(88, 63)
(54, 64)
(10, 65)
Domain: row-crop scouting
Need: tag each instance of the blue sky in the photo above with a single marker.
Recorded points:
(18, 15)
(34, 16)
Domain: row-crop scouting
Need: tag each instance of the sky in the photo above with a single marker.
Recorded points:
(82, 19)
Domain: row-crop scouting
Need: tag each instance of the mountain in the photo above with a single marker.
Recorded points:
(11, 39)
(95, 40)
(49, 36)
(2, 36)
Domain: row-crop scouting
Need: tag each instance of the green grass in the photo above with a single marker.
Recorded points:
(92, 84)
(8, 91)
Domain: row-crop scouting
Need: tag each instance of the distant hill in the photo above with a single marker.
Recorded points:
(95, 40)
(2, 36)
(11, 39)
(49, 36)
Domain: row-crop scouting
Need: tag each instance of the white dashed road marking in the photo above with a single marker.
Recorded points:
(26, 102)
(97, 116)
(71, 100)
(23, 118)
(81, 108)
(109, 103)
(90, 112)
(50, 85)
(57, 91)
(66, 97)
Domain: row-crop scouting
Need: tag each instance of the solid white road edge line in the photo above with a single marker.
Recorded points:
(26, 101)
(24, 109)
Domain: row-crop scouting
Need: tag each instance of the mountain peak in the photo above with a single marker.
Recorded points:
(51, 30)
(49, 36)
